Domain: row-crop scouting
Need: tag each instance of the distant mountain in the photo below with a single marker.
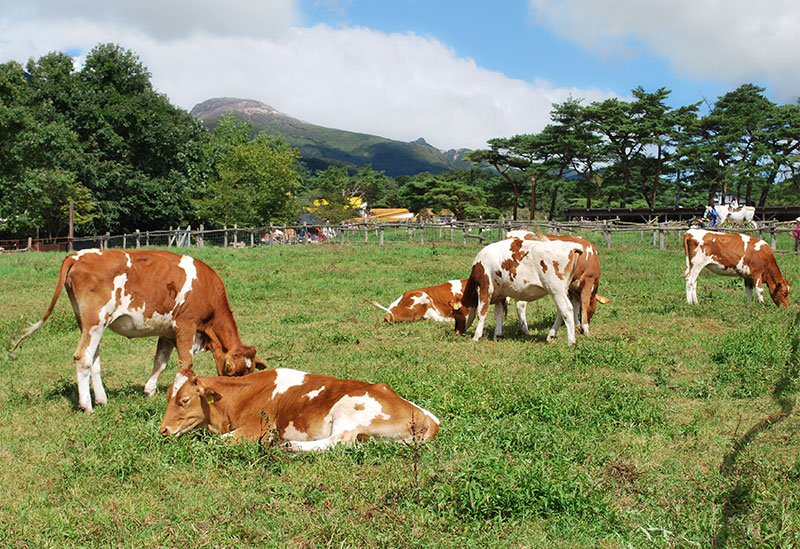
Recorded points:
(321, 147)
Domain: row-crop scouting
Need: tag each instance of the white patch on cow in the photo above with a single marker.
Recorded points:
(759, 245)
(180, 379)
(228, 434)
(456, 288)
(87, 251)
(292, 433)
(590, 250)
(285, 378)
(351, 413)
(130, 263)
(432, 313)
(249, 363)
(315, 393)
(395, 303)
(187, 264)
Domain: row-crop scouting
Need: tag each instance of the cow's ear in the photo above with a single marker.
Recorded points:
(210, 395)
(260, 365)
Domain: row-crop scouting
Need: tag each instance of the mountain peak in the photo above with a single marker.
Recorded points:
(214, 108)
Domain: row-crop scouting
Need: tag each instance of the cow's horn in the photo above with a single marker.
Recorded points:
(378, 305)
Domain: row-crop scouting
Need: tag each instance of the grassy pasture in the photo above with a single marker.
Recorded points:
(670, 426)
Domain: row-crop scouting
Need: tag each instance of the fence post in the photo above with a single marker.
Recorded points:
(381, 236)
(105, 244)
(451, 231)
(341, 234)
(465, 233)
(655, 235)
(124, 241)
(661, 239)
(200, 235)
(225, 237)
(252, 237)
(366, 234)
(408, 231)
(235, 234)
(607, 235)
(147, 238)
(422, 233)
(138, 243)
(502, 228)
(30, 244)
(772, 237)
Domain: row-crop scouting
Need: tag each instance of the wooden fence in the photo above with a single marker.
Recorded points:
(482, 232)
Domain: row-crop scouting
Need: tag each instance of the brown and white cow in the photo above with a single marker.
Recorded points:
(525, 270)
(308, 412)
(734, 255)
(432, 303)
(582, 290)
(137, 293)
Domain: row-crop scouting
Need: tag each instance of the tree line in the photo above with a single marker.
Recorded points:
(104, 140)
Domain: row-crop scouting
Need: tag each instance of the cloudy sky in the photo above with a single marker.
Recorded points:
(454, 72)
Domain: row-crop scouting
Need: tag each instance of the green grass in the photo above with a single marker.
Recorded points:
(672, 425)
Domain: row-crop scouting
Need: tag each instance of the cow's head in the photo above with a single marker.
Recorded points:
(240, 361)
(460, 314)
(780, 293)
(188, 404)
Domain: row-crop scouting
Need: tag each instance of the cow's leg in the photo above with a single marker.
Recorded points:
(500, 309)
(97, 381)
(759, 291)
(184, 342)
(691, 283)
(565, 310)
(556, 325)
(522, 307)
(163, 352)
(484, 291)
(84, 356)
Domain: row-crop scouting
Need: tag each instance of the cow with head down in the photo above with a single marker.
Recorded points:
(583, 288)
(525, 270)
(739, 255)
(137, 293)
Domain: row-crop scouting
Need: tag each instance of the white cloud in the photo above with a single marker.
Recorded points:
(735, 41)
(401, 86)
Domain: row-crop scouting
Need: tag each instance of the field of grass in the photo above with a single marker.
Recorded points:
(671, 425)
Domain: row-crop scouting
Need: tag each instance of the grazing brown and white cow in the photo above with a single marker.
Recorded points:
(582, 290)
(432, 303)
(137, 293)
(734, 255)
(309, 412)
(525, 270)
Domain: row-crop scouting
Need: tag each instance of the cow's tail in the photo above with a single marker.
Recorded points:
(62, 277)
(379, 306)
(686, 238)
(574, 254)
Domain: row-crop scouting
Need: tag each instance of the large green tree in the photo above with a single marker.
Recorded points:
(255, 180)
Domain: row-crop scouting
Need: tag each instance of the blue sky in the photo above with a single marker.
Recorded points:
(455, 73)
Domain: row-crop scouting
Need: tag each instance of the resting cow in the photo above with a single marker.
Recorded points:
(308, 412)
(136, 293)
(525, 270)
(583, 289)
(433, 303)
(734, 255)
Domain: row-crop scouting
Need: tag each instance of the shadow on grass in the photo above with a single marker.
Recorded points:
(68, 389)
(738, 496)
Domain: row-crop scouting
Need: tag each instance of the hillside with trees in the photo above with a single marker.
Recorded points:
(101, 138)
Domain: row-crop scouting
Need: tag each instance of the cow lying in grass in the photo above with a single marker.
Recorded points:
(308, 412)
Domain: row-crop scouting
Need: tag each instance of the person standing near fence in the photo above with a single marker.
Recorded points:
(797, 235)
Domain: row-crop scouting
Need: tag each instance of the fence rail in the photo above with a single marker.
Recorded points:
(383, 233)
